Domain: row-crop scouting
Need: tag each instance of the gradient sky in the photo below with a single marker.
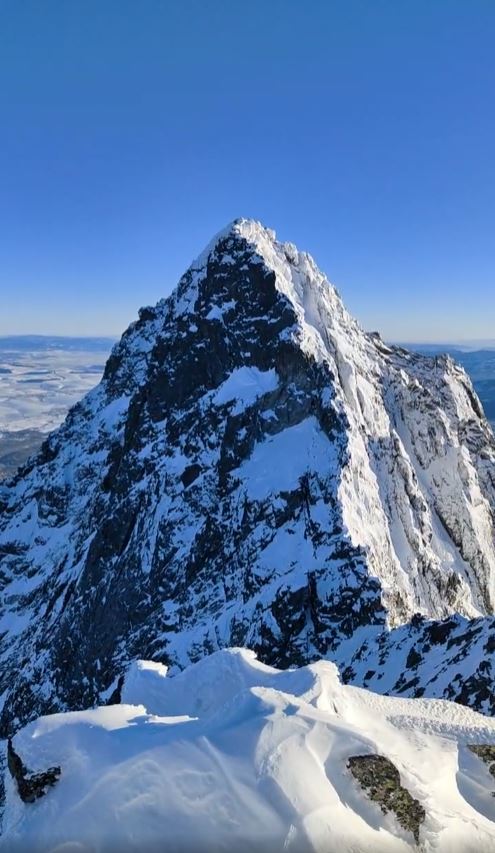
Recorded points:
(364, 132)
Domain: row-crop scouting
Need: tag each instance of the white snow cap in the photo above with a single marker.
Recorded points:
(317, 303)
(233, 754)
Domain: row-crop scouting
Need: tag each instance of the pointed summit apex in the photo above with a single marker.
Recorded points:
(249, 229)
(253, 229)
(229, 263)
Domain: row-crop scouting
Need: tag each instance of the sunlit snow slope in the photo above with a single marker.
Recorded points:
(254, 469)
(235, 755)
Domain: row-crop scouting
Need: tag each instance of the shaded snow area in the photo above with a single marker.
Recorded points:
(244, 386)
(233, 755)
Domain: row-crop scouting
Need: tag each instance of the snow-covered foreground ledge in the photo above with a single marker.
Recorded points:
(232, 755)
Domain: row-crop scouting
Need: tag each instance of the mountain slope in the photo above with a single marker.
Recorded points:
(232, 754)
(253, 469)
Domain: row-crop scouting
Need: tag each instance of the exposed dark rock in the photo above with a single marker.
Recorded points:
(413, 659)
(403, 662)
(380, 780)
(190, 474)
(486, 753)
(31, 786)
(115, 697)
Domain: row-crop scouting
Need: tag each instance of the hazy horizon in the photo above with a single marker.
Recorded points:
(466, 342)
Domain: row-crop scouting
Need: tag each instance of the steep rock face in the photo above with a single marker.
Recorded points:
(253, 469)
(448, 659)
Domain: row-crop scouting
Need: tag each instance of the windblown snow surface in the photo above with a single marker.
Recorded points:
(234, 755)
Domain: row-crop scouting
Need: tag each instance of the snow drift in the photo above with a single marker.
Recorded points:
(234, 755)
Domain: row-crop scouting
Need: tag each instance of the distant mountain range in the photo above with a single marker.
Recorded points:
(452, 346)
(41, 343)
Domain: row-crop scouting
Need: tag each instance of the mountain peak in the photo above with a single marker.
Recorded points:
(251, 230)
(252, 470)
(295, 276)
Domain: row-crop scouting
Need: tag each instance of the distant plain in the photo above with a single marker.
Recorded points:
(40, 379)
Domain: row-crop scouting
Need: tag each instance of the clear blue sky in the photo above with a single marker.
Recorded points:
(362, 131)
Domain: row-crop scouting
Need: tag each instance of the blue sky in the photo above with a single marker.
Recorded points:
(362, 131)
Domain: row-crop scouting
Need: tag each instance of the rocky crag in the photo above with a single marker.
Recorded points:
(254, 469)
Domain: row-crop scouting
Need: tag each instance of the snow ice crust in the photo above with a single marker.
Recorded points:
(233, 754)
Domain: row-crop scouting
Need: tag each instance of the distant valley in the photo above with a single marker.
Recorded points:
(41, 377)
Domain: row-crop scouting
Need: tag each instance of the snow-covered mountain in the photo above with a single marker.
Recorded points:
(232, 754)
(253, 469)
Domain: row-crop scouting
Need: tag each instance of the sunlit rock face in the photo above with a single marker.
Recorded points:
(253, 469)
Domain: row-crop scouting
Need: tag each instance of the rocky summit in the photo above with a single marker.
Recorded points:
(254, 469)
